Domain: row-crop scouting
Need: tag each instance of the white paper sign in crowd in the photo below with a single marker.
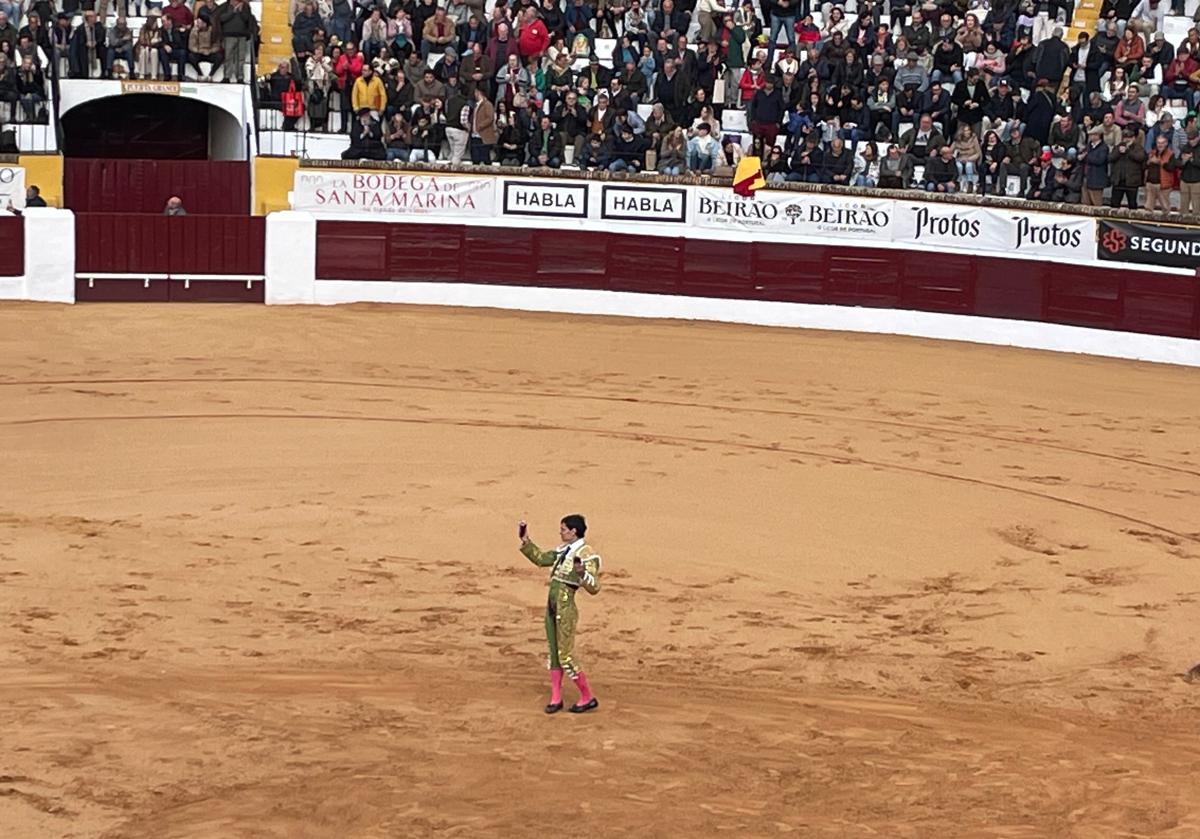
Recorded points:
(686, 210)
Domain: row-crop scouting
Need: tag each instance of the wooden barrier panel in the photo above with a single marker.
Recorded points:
(165, 258)
(12, 246)
(956, 283)
(95, 185)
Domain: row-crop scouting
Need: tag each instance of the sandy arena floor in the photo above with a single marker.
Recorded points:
(259, 579)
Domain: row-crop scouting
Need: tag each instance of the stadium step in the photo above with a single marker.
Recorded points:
(276, 33)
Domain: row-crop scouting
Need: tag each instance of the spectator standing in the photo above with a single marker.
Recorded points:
(87, 47)
(782, 15)
(238, 27)
(1188, 167)
(1095, 168)
(1159, 176)
(1052, 58)
(1128, 169)
(483, 129)
(368, 92)
(318, 72)
(766, 112)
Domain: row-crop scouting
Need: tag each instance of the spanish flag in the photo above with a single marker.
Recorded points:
(748, 177)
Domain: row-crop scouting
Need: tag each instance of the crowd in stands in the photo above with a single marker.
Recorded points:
(981, 96)
(91, 40)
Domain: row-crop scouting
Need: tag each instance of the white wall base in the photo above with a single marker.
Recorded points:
(291, 257)
(49, 258)
(979, 330)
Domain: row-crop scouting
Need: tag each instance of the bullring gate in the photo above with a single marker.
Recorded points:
(158, 258)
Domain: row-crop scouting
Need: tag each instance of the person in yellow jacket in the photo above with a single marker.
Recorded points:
(368, 92)
(573, 565)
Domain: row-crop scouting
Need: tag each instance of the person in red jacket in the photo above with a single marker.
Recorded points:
(533, 37)
(347, 69)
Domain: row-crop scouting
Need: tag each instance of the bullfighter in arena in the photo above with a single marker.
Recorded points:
(573, 564)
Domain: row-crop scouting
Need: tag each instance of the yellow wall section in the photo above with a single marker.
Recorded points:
(273, 178)
(45, 171)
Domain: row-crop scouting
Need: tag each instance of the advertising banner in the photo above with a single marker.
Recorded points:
(411, 194)
(551, 199)
(12, 186)
(643, 203)
(957, 227)
(1148, 244)
(797, 214)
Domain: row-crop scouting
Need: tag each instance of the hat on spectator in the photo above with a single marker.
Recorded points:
(912, 56)
(362, 111)
(1159, 36)
(1004, 82)
(1045, 155)
(1129, 131)
(593, 59)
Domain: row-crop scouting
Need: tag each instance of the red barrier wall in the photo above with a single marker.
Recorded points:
(143, 186)
(1121, 298)
(12, 246)
(123, 243)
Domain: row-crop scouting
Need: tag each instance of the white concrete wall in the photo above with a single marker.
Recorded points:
(49, 258)
(291, 278)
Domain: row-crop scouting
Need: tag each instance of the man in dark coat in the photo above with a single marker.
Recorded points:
(366, 138)
(1052, 57)
(1086, 60)
(87, 46)
(1128, 160)
(1095, 168)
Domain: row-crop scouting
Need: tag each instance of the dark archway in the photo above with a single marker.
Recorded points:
(138, 126)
